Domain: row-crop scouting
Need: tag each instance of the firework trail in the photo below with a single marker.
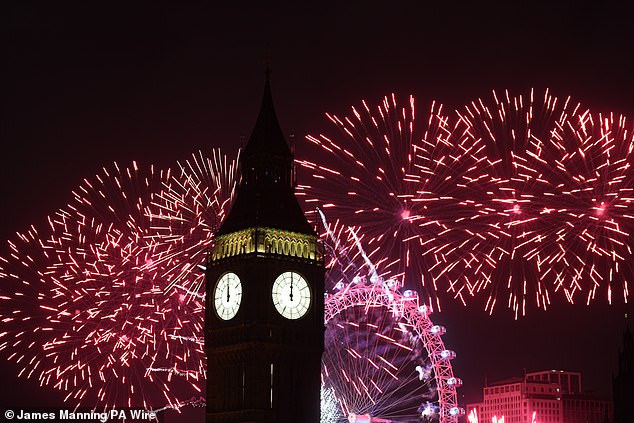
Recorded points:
(556, 203)
(511, 237)
(516, 200)
(396, 176)
(85, 309)
(185, 215)
(595, 202)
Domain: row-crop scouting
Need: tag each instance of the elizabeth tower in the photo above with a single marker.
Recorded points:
(264, 327)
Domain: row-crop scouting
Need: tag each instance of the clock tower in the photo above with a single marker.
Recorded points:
(264, 321)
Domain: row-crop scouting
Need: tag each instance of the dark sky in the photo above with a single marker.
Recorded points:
(86, 84)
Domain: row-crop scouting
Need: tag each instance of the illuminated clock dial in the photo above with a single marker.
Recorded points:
(291, 295)
(227, 296)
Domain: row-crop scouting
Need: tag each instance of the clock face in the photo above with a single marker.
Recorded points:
(291, 295)
(227, 296)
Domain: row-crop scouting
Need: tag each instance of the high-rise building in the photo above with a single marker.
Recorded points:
(623, 382)
(550, 396)
(264, 328)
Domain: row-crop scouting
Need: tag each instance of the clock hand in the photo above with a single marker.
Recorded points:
(291, 287)
(228, 289)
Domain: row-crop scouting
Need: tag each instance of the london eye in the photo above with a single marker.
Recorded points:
(384, 359)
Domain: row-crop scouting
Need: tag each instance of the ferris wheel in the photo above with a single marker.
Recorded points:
(384, 359)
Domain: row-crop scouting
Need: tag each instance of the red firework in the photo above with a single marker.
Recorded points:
(394, 177)
(517, 200)
(186, 214)
(85, 308)
(595, 201)
(510, 238)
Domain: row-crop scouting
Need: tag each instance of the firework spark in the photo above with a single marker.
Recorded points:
(185, 215)
(85, 308)
(518, 200)
(396, 176)
(556, 201)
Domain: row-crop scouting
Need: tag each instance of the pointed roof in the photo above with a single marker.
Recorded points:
(265, 197)
(267, 136)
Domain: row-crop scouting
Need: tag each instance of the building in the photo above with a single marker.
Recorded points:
(569, 382)
(551, 396)
(623, 382)
(584, 408)
(517, 399)
(264, 320)
(577, 407)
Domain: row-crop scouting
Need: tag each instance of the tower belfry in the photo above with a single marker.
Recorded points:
(264, 320)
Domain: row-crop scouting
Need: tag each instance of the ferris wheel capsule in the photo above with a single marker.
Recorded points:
(409, 293)
(454, 381)
(456, 411)
(447, 354)
(438, 330)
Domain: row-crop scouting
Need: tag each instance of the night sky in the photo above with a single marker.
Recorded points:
(84, 85)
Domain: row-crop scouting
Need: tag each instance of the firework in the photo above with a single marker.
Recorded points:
(551, 175)
(85, 309)
(595, 203)
(186, 214)
(518, 200)
(510, 237)
(396, 176)
(473, 417)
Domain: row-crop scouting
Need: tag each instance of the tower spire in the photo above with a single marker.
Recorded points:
(266, 169)
(267, 137)
(264, 321)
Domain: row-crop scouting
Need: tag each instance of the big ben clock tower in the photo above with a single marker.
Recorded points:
(264, 324)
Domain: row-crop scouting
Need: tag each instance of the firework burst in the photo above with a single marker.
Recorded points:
(555, 201)
(394, 176)
(85, 309)
(510, 237)
(595, 203)
(515, 200)
(185, 215)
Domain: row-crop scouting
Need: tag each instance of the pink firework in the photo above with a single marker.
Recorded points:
(186, 214)
(595, 202)
(510, 239)
(398, 179)
(556, 201)
(85, 309)
(518, 200)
